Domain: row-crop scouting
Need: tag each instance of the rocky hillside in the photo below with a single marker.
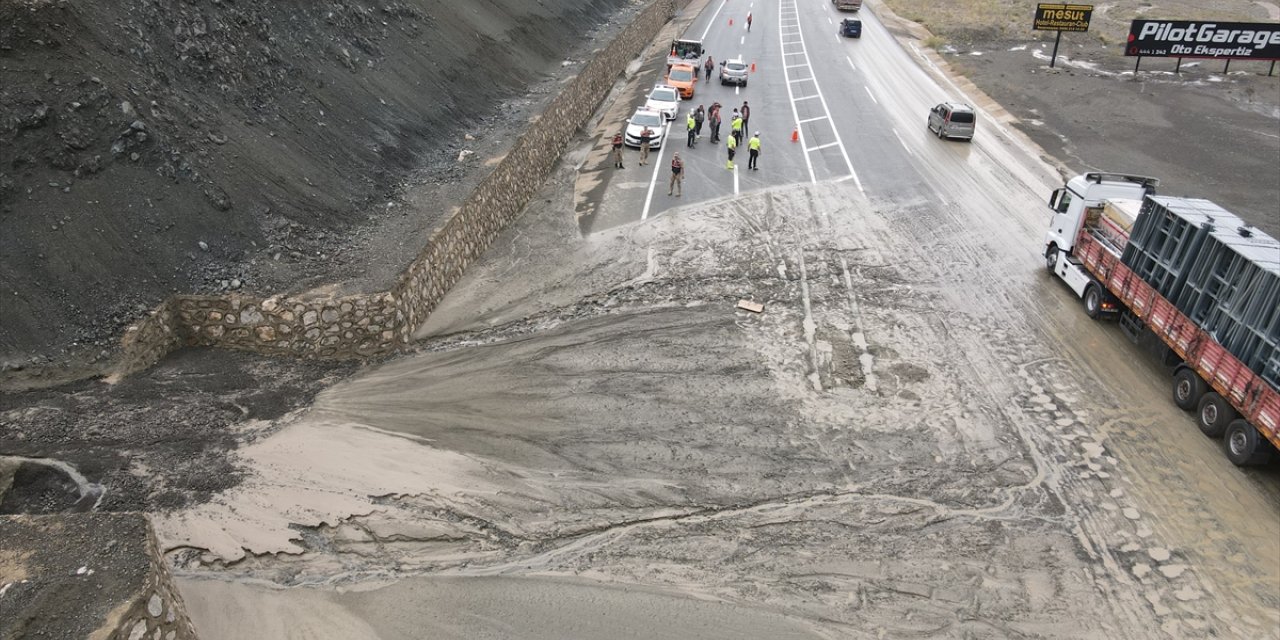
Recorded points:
(155, 146)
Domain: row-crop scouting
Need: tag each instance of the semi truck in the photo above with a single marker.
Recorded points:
(1190, 279)
(847, 5)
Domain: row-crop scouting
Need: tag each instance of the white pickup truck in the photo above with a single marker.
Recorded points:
(686, 51)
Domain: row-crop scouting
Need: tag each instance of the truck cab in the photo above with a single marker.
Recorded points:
(1069, 205)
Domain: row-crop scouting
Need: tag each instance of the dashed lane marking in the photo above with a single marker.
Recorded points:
(873, 96)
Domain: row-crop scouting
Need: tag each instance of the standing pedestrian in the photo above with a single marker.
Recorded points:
(753, 151)
(709, 66)
(677, 175)
(748, 22)
(746, 118)
(617, 151)
(693, 128)
(731, 143)
(735, 127)
(646, 137)
(714, 116)
(699, 117)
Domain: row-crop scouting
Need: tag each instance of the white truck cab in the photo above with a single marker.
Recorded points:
(1071, 206)
(1083, 192)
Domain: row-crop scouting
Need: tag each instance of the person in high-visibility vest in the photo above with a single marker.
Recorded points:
(732, 144)
(693, 129)
(735, 127)
(753, 151)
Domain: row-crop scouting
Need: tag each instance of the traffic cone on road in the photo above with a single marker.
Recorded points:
(731, 22)
(795, 134)
(753, 67)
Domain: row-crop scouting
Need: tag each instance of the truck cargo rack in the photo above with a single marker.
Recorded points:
(1256, 400)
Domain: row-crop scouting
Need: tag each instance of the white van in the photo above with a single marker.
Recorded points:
(953, 120)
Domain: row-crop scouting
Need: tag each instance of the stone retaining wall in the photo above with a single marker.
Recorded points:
(158, 613)
(364, 325)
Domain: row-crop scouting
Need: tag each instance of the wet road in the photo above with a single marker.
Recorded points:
(921, 435)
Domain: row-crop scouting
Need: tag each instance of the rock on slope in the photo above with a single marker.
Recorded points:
(153, 146)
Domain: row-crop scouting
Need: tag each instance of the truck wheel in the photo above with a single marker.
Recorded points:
(1051, 258)
(1213, 414)
(1093, 302)
(1244, 446)
(1188, 389)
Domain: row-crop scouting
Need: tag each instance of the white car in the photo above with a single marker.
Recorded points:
(640, 120)
(664, 99)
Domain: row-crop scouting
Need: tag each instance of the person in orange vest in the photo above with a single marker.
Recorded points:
(677, 175)
(617, 151)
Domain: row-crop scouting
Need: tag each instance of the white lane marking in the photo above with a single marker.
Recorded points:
(830, 21)
(844, 153)
(851, 63)
(657, 166)
(735, 179)
(713, 20)
(737, 89)
(902, 142)
(742, 40)
(800, 80)
(820, 147)
(786, 75)
(814, 119)
(801, 97)
(873, 96)
(793, 66)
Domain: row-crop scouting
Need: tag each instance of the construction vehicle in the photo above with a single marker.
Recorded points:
(1190, 278)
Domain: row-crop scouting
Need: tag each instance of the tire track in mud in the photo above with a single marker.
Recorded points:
(1186, 613)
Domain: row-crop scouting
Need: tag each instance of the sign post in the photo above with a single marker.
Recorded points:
(1061, 17)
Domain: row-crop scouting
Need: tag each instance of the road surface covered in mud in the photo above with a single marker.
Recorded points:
(919, 435)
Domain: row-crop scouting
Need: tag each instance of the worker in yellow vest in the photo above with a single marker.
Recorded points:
(753, 151)
(731, 143)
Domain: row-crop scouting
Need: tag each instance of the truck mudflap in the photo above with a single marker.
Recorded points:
(1255, 399)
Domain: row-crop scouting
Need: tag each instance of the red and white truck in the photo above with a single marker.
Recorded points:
(1203, 283)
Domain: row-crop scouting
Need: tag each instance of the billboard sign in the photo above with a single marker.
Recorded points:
(1062, 17)
(1191, 39)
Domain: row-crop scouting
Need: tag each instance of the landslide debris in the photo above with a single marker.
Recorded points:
(157, 146)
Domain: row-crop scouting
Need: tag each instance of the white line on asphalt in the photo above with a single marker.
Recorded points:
(830, 21)
(713, 19)
(873, 96)
(742, 40)
(737, 89)
(735, 179)
(902, 142)
(793, 66)
(814, 119)
(820, 147)
(657, 166)
(795, 115)
(851, 63)
(801, 97)
(800, 80)
(844, 153)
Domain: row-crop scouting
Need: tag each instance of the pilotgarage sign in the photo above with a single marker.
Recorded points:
(1062, 17)
(1187, 39)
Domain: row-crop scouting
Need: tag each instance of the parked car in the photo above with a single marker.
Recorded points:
(733, 72)
(664, 100)
(640, 120)
(953, 120)
(851, 28)
(683, 77)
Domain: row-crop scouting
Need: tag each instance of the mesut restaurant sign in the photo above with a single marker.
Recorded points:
(1187, 39)
(1062, 17)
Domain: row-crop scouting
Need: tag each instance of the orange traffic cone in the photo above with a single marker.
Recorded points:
(795, 134)
(731, 22)
(753, 67)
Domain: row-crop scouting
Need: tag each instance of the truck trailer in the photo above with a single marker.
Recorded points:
(1193, 279)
